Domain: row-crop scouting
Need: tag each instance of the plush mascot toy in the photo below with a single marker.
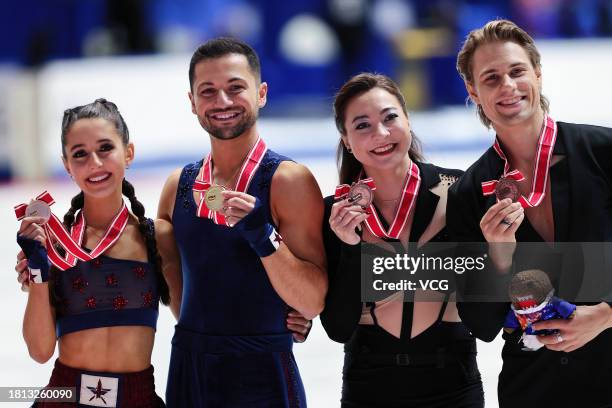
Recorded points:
(532, 299)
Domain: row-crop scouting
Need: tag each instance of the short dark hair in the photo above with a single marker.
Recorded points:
(348, 166)
(220, 47)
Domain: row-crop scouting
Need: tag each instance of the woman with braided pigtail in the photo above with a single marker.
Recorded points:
(102, 312)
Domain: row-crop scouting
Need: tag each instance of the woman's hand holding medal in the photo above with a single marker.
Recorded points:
(32, 238)
(23, 274)
(345, 218)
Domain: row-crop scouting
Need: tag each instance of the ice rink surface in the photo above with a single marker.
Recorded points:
(319, 359)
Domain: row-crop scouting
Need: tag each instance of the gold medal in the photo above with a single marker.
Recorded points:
(38, 208)
(360, 194)
(213, 197)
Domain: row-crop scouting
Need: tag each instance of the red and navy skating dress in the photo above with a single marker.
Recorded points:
(105, 292)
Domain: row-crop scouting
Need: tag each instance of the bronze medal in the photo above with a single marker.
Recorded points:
(360, 194)
(213, 197)
(38, 208)
(507, 188)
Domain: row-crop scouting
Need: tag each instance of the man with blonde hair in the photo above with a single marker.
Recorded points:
(541, 181)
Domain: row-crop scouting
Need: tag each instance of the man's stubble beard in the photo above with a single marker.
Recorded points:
(233, 132)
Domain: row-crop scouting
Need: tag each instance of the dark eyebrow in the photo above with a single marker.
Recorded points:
(80, 145)
(356, 118)
(209, 83)
(382, 112)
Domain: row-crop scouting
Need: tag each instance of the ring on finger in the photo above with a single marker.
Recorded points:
(559, 338)
(506, 222)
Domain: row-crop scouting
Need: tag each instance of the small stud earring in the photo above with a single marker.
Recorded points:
(348, 149)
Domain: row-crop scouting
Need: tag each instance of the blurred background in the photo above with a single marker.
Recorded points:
(56, 54)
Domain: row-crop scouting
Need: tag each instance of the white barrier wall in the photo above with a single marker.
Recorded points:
(151, 92)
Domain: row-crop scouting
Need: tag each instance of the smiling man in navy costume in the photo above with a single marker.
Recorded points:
(247, 224)
(565, 197)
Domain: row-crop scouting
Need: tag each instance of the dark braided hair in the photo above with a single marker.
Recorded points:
(147, 230)
(101, 108)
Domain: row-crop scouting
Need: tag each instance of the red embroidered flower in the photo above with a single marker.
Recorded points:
(139, 271)
(96, 263)
(119, 302)
(147, 299)
(111, 280)
(79, 283)
(91, 302)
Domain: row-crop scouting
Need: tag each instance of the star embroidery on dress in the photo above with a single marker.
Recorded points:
(79, 284)
(147, 298)
(111, 280)
(119, 302)
(277, 238)
(96, 263)
(139, 271)
(98, 391)
(91, 302)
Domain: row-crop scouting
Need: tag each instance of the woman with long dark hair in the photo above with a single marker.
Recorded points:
(100, 310)
(398, 351)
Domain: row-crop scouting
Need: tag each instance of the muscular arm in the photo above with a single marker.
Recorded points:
(39, 323)
(171, 263)
(297, 269)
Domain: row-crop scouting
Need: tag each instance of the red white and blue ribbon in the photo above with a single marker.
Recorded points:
(546, 144)
(72, 241)
(204, 180)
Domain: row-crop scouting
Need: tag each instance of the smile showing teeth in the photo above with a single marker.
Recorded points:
(97, 179)
(225, 115)
(384, 149)
(511, 101)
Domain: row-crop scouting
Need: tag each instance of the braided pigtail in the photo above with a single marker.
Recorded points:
(75, 205)
(148, 233)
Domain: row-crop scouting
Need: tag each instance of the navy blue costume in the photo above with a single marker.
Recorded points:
(231, 346)
(105, 292)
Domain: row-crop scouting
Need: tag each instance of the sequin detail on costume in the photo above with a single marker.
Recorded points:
(147, 299)
(139, 271)
(79, 284)
(119, 302)
(111, 280)
(91, 302)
